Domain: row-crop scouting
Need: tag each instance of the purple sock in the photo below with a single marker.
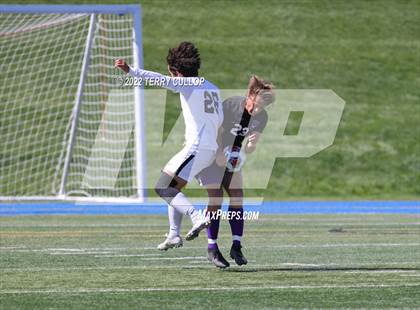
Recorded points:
(212, 232)
(212, 246)
(236, 223)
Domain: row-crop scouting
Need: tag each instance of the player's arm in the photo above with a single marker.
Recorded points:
(137, 72)
(251, 144)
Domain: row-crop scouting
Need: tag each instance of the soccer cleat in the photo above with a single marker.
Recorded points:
(195, 231)
(217, 258)
(169, 243)
(236, 254)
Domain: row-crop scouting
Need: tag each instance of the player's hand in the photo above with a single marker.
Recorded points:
(221, 159)
(233, 158)
(253, 138)
(121, 64)
(251, 144)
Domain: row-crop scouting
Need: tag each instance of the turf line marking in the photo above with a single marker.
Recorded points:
(75, 250)
(318, 223)
(207, 266)
(328, 245)
(383, 271)
(308, 265)
(79, 253)
(186, 289)
(108, 268)
(68, 249)
(410, 275)
(338, 221)
(177, 258)
(337, 265)
(127, 255)
(82, 225)
(343, 245)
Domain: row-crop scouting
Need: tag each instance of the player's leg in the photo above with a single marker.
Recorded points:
(166, 187)
(236, 220)
(211, 178)
(169, 187)
(215, 194)
(173, 237)
(175, 221)
(176, 174)
(204, 161)
(173, 178)
(214, 255)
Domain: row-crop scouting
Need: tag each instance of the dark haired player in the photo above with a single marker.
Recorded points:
(203, 117)
(244, 117)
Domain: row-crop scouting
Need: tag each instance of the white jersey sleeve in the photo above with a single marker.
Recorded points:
(175, 84)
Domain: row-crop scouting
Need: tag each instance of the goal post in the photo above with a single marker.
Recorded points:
(68, 130)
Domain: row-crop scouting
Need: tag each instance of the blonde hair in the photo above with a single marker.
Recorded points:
(262, 88)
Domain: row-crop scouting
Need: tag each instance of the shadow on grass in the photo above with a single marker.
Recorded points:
(318, 269)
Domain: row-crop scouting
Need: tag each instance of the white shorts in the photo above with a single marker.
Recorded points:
(187, 164)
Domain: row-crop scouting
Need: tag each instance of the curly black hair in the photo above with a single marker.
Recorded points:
(184, 59)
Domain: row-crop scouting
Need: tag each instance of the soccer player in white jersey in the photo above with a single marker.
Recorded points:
(203, 115)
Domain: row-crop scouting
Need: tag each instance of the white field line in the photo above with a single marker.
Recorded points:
(80, 253)
(411, 275)
(328, 245)
(319, 222)
(101, 268)
(177, 258)
(80, 225)
(308, 265)
(384, 271)
(153, 228)
(75, 250)
(322, 223)
(209, 266)
(196, 262)
(69, 249)
(347, 220)
(127, 255)
(350, 266)
(251, 261)
(200, 289)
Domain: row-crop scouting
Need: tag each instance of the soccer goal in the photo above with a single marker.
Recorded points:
(68, 130)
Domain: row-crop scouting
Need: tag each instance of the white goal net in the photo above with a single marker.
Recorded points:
(67, 129)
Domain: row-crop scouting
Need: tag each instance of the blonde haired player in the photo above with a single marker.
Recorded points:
(244, 117)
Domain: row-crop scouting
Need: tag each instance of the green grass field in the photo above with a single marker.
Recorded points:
(296, 261)
(366, 51)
